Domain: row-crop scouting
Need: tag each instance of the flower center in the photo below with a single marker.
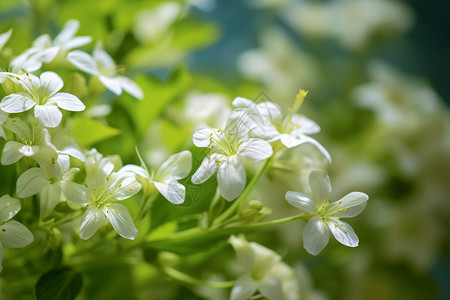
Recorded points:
(225, 141)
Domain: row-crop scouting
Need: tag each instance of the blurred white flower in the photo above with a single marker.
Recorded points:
(12, 233)
(207, 110)
(42, 94)
(326, 215)
(176, 167)
(104, 187)
(261, 271)
(4, 37)
(101, 64)
(44, 50)
(228, 147)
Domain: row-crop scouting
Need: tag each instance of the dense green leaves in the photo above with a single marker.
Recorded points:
(88, 131)
(59, 284)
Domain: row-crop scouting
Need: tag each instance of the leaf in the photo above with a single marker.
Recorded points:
(87, 131)
(58, 284)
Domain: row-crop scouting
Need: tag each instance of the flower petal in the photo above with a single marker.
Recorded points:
(120, 219)
(31, 182)
(75, 192)
(67, 101)
(15, 235)
(112, 84)
(4, 37)
(172, 190)
(126, 184)
(131, 87)
(9, 207)
(92, 219)
(303, 125)
(243, 289)
(76, 42)
(176, 166)
(207, 168)
(19, 127)
(350, 205)
(11, 153)
(293, 139)
(202, 136)
(231, 178)
(320, 187)
(343, 232)
(102, 58)
(16, 103)
(51, 82)
(69, 30)
(301, 201)
(315, 235)
(50, 196)
(271, 288)
(255, 149)
(49, 115)
(83, 61)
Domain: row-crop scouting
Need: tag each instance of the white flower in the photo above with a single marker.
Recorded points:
(12, 233)
(228, 147)
(47, 182)
(34, 143)
(176, 167)
(326, 215)
(44, 50)
(207, 109)
(260, 271)
(276, 126)
(104, 187)
(42, 94)
(100, 64)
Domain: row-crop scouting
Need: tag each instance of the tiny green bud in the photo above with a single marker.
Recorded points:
(254, 212)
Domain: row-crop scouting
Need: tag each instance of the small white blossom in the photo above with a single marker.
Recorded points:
(228, 147)
(101, 64)
(326, 215)
(176, 167)
(12, 233)
(104, 188)
(44, 50)
(276, 126)
(260, 271)
(42, 94)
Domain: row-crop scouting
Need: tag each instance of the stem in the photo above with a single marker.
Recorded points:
(145, 206)
(244, 194)
(268, 223)
(67, 219)
(182, 277)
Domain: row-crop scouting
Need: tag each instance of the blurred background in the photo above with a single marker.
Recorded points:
(378, 82)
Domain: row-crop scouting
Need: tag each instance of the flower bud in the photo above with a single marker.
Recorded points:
(254, 212)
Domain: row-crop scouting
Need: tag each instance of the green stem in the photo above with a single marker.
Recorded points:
(67, 219)
(244, 194)
(145, 206)
(182, 277)
(268, 223)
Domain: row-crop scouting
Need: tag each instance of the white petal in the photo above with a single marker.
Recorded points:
(112, 84)
(50, 196)
(49, 115)
(31, 182)
(343, 232)
(202, 136)
(129, 186)
(315, 235)
(207, 168)
(243, 288)
(67, 101)
(83, 61)
(46, 55)
(231, 178)
(320, 187)
(255, 149)
(4, 37)
(303, 125)
(301, 201)
(19, 127)
(292, 140)
(29, 151)
(16, 103)
(11, 153)
(131, 87)
(176, 166)
(350, 205)
(73, 151)
(92, 219)
(135, 170)
(269, 111)
(271, 288)
(69, 30)
(121, 220)
(15, 235)
(240, 102)
(172, 191)
(102, 58)
(51, 82)
(9, 207)
(76, 42)
(75, 192)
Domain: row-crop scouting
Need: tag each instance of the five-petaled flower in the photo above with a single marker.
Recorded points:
(326, 215)
(42, 94)
(12, 233)
(228, 147)
(104, 188)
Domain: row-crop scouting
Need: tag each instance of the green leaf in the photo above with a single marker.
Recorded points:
(163, 231)
(58, 284)
(87, 131)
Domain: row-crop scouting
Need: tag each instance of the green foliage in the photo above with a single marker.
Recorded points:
(88, 131)
(59, 284)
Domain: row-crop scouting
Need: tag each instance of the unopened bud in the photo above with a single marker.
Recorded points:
(254, 212)
(168, 259)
